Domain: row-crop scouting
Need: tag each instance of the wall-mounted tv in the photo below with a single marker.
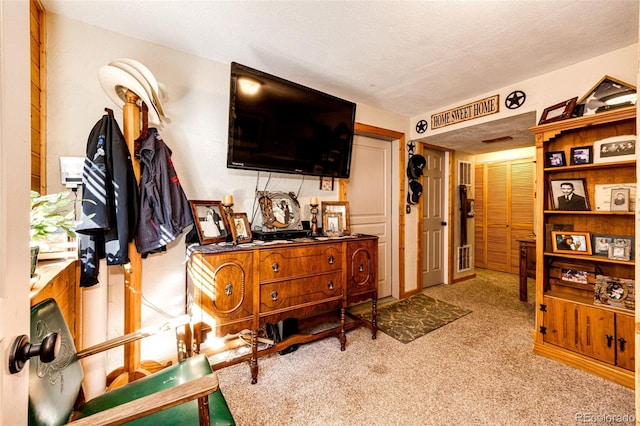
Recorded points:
(280, 126)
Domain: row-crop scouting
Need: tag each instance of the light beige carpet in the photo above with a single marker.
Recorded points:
(478, 370)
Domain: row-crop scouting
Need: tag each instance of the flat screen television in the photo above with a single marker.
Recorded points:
(276, 125)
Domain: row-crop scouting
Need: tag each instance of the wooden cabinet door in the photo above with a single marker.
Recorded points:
(580, 328)
(221, 285)
(362, 266)
(625, 346)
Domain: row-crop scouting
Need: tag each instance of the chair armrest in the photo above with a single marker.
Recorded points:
(132, 337)
(153, 403)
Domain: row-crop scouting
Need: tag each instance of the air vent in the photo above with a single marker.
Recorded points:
(501, 139)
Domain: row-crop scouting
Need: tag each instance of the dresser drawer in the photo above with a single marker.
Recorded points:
(294, 294)
(302, 261)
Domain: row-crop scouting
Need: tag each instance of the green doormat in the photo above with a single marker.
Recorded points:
(415, 316)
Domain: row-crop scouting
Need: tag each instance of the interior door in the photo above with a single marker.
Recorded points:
(433, 218)
(497, 220)
(369, 195)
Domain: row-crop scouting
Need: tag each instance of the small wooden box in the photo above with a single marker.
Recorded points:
(615, 292)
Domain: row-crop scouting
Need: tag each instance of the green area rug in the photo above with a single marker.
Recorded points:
(415, 316)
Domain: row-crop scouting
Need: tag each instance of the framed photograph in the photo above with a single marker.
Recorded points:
(615, 292)
(602, 194)
(326, 183)
(581, 155)
(575, 276)
(331, 224)
(601, 244)
(620, 249)
(616, 148)
(569, 194)
(240, 228)
(210, 221)
(555, 159)
(606, 95)
(619, 200)
(557, 112)
(341, 208)
(571, 243)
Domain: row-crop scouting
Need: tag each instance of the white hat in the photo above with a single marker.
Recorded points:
(146, 77)
(115, 82)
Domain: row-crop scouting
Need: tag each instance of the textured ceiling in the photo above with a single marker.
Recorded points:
(407, 57)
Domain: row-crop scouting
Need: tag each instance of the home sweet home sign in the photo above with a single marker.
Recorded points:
(477, 109)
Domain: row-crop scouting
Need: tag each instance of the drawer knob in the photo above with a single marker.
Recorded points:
(274, 295)
(330, 285)
(228, 289)
(275, 266)
(331, 260)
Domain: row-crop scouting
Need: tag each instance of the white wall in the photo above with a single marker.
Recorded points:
(198, 92)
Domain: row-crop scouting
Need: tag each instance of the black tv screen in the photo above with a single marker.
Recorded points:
(276, 125)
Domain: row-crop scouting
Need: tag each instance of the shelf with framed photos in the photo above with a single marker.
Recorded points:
(585, 297)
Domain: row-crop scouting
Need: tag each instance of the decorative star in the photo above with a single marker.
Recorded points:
(422, 126)
(515, 99)
(411, 146)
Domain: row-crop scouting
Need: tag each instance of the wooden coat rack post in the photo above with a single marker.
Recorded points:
(133, 270)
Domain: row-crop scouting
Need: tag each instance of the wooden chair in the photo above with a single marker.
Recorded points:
(186, 393)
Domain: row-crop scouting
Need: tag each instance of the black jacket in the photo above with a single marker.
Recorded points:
(164, 208)
(110, 200)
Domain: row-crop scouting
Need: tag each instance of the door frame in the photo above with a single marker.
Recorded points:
(397, 240)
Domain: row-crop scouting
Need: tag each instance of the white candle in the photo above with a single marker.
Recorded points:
(227, 200)
(314, 200)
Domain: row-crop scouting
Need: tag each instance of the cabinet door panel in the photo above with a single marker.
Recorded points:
(580, 328)
(361, 270)
(625, 355)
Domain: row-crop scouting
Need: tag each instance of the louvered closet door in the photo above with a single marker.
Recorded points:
(497, 217)
(522, 192)
(504, 195)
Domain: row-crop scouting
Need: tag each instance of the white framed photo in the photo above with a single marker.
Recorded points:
(619, 200)
(616, 148)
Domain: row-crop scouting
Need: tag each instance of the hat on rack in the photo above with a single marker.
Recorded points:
(415, 166)
(115, 82)
(141, 73)
(414, 193)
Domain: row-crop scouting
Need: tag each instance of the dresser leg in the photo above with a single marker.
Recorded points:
(253, 363)
(343, 335)
(374, 317)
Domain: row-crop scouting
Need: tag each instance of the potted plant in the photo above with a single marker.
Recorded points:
(49, 216)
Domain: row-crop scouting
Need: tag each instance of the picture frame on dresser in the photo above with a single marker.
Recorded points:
(342, 209)
(240, 228)
(210, 221)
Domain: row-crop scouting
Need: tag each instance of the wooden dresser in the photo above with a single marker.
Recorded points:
(244, 287)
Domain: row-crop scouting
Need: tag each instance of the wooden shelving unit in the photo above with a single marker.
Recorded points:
(570, 326)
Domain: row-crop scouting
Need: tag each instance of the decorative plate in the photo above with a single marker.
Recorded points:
(280, 211)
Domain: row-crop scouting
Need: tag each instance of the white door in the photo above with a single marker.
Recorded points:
(433, 218)
(369, 196)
